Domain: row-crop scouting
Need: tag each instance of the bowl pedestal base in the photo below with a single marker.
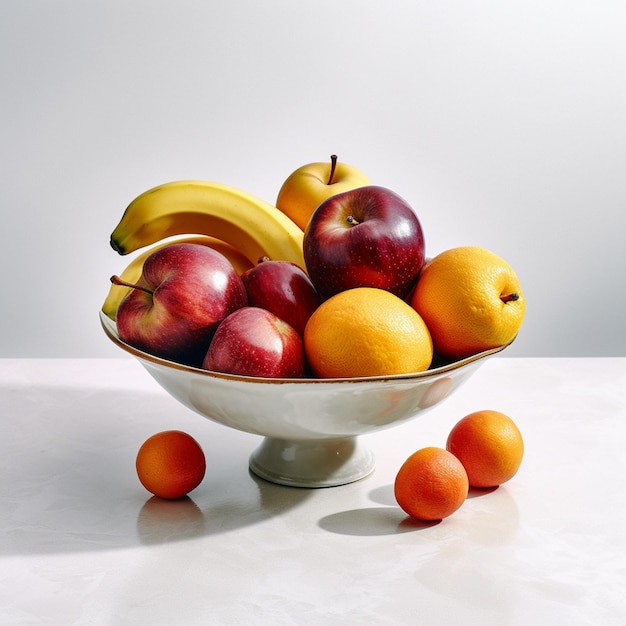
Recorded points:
(312, 463)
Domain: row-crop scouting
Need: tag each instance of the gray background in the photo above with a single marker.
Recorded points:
(502, 123)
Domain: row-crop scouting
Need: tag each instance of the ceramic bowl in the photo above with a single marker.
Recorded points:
(310, 427)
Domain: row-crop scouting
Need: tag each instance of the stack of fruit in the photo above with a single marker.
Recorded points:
(331, 282)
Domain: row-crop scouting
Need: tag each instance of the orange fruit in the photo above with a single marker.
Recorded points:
(490, 446)
(431, 484)
(366, 331)
(170, 464)
(471, 300)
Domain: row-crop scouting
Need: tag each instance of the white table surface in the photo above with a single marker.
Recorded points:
(82, 542)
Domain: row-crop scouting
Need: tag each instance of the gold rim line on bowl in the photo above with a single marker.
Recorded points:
(110, 330)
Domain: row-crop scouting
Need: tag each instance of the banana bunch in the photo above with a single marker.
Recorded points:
(204, 208)
(249, 226)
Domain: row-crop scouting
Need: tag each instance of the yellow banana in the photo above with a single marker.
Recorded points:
(205, 208)
(132, 272)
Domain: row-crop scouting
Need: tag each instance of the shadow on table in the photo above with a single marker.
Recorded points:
(388, 519)
(162, 521)
(495, 517)
(69, 481)
(372, 521)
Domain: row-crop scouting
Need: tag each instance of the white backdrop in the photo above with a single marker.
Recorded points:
(502, 122)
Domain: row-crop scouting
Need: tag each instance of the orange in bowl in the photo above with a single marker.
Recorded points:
(366, 331)
(471, 300)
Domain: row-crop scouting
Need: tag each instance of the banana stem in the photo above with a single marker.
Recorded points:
(116, 280)
(333, 165)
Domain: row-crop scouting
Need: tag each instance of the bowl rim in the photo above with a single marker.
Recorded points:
(110, 328)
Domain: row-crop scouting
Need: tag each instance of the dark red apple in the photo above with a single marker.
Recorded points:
(365, 237)
(184, 292)
(254, 342)
(282, 288)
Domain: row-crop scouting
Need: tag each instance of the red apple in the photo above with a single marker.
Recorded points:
(282, 288)
(254, 342)
(365, 237)
(184, 292)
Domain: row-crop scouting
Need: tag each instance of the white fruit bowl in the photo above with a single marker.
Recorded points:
(310, 426)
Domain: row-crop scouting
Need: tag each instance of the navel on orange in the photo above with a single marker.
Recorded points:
(170, 464)
(366, 332)
(431, 484)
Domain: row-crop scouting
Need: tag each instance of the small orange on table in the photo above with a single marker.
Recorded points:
(366, 331)
(489, 445)
(170, 464)
(431, 484)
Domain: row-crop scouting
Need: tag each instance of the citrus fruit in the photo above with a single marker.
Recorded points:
(170, 464)
(366, 331)
(490, 446)
(471, 300)
(431, 484)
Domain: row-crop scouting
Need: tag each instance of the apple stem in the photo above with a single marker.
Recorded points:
(116, 280)
(333, 165)
(352, 220)
(263, 259)
(509, 297)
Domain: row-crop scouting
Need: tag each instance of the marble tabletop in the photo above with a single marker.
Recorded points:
(82, 542)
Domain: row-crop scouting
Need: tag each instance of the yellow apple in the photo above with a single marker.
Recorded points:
(308, 186)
